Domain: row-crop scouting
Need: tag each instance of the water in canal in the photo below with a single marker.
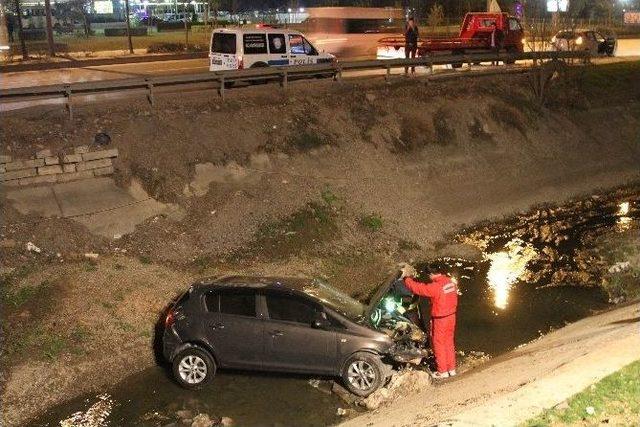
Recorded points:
(535, 276)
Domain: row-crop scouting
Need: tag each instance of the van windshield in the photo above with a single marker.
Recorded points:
(223, 43)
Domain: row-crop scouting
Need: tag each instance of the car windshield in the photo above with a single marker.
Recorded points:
(336, 300)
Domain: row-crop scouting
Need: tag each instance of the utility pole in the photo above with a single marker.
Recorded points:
(47, 9)
(186, 27)
(126, 9)
(23, 45)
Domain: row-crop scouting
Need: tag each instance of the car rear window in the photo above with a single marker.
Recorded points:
(223, 43)
(566, 35)
(291, 309)
(240, 302)
(255, 43)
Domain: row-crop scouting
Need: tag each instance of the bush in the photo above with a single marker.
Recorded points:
(122, 32)
(372, 222)
(166, 47)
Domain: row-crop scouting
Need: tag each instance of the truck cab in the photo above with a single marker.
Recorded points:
(481, 25)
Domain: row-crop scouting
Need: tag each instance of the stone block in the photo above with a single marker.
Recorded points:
(64, 177)
(43, 153)
(53, 160)
(103, 171)
(69, 168)
(102, 154)
(49, 170)
(5, 159)
(24, 164)
(22, 173)
(72, 158)
(81, 149)
(94, 164)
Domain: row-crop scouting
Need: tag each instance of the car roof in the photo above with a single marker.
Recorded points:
(262, 282)
(256, 30)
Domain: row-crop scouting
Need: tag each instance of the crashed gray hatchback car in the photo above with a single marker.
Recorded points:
(288, 325)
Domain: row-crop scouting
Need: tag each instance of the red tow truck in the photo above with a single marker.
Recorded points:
(480, 32)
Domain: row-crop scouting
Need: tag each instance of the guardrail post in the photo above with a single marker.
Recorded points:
(339, 74)
(387, 76)
(221, 89)
(285, 79)
(150, 94)
(68, 104)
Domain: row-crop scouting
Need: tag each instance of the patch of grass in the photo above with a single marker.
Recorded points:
(144, 259)
(615, 399)
(372, 222)
(119, 267)
(106, 305)
(408, 245)
(124, 326)
(307, 140)
(53, 345)
(17, 297)
(302, 231)
(90, 266)
(329, 197)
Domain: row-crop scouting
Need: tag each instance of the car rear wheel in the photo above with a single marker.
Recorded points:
(363, 374)
(193, 368)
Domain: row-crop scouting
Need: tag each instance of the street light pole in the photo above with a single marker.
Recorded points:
(126, 9)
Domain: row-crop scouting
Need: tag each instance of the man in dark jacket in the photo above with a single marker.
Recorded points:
(410, 43)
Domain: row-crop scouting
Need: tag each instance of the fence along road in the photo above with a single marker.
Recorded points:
(68, 94)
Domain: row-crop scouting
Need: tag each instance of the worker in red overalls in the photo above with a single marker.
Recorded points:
(442, 292)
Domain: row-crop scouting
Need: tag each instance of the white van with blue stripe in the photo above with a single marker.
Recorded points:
(237, 48)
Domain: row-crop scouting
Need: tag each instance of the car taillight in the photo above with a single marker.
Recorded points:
(170, 319)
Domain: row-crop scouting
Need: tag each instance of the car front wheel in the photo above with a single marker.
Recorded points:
(363, 373)
(193, 368)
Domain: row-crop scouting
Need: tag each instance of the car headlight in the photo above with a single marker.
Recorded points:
(553, 39)
(524, 40)
(579, 40)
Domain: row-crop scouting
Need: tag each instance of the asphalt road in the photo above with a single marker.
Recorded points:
(626, 48)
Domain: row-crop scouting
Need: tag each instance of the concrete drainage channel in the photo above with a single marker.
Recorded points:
(506, 302)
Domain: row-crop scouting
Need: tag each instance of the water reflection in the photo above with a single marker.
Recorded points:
(623, 222)
(506, 268)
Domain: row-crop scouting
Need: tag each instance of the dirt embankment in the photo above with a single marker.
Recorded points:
(337, 180)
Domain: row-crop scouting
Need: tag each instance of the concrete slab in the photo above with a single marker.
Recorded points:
(97, 203)
(34, 200)
(90, 195)
(122, 220)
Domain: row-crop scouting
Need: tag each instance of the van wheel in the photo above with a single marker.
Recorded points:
(193, 368)
(511, 50)
(363, 373)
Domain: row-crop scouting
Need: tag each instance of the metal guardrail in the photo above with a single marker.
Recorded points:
(224, 79)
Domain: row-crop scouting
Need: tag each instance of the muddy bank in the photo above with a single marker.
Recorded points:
(328, 180)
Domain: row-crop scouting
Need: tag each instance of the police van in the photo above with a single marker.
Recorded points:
(235, 49)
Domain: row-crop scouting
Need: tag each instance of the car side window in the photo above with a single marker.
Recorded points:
(291, 309)
(308, 48)
(277, 44)
(239, 302)
(212, 301)
(514, 25)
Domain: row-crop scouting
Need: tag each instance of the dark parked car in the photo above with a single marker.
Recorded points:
(288, 325)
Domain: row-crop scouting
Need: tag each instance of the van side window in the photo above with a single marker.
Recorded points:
(277, 44)
(255, 43)
(300, 46)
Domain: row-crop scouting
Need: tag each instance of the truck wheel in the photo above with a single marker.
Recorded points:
(457, 64)
(193, 368)
(363, 373)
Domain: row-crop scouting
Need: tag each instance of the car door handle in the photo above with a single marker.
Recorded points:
(217, 325)
(276, 333)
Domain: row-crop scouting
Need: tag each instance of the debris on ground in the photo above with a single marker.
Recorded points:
(401, 383)
(203, 420)
(95, 416)
(33, 248)
(341, 412)
(91, 255)
(619, 267)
